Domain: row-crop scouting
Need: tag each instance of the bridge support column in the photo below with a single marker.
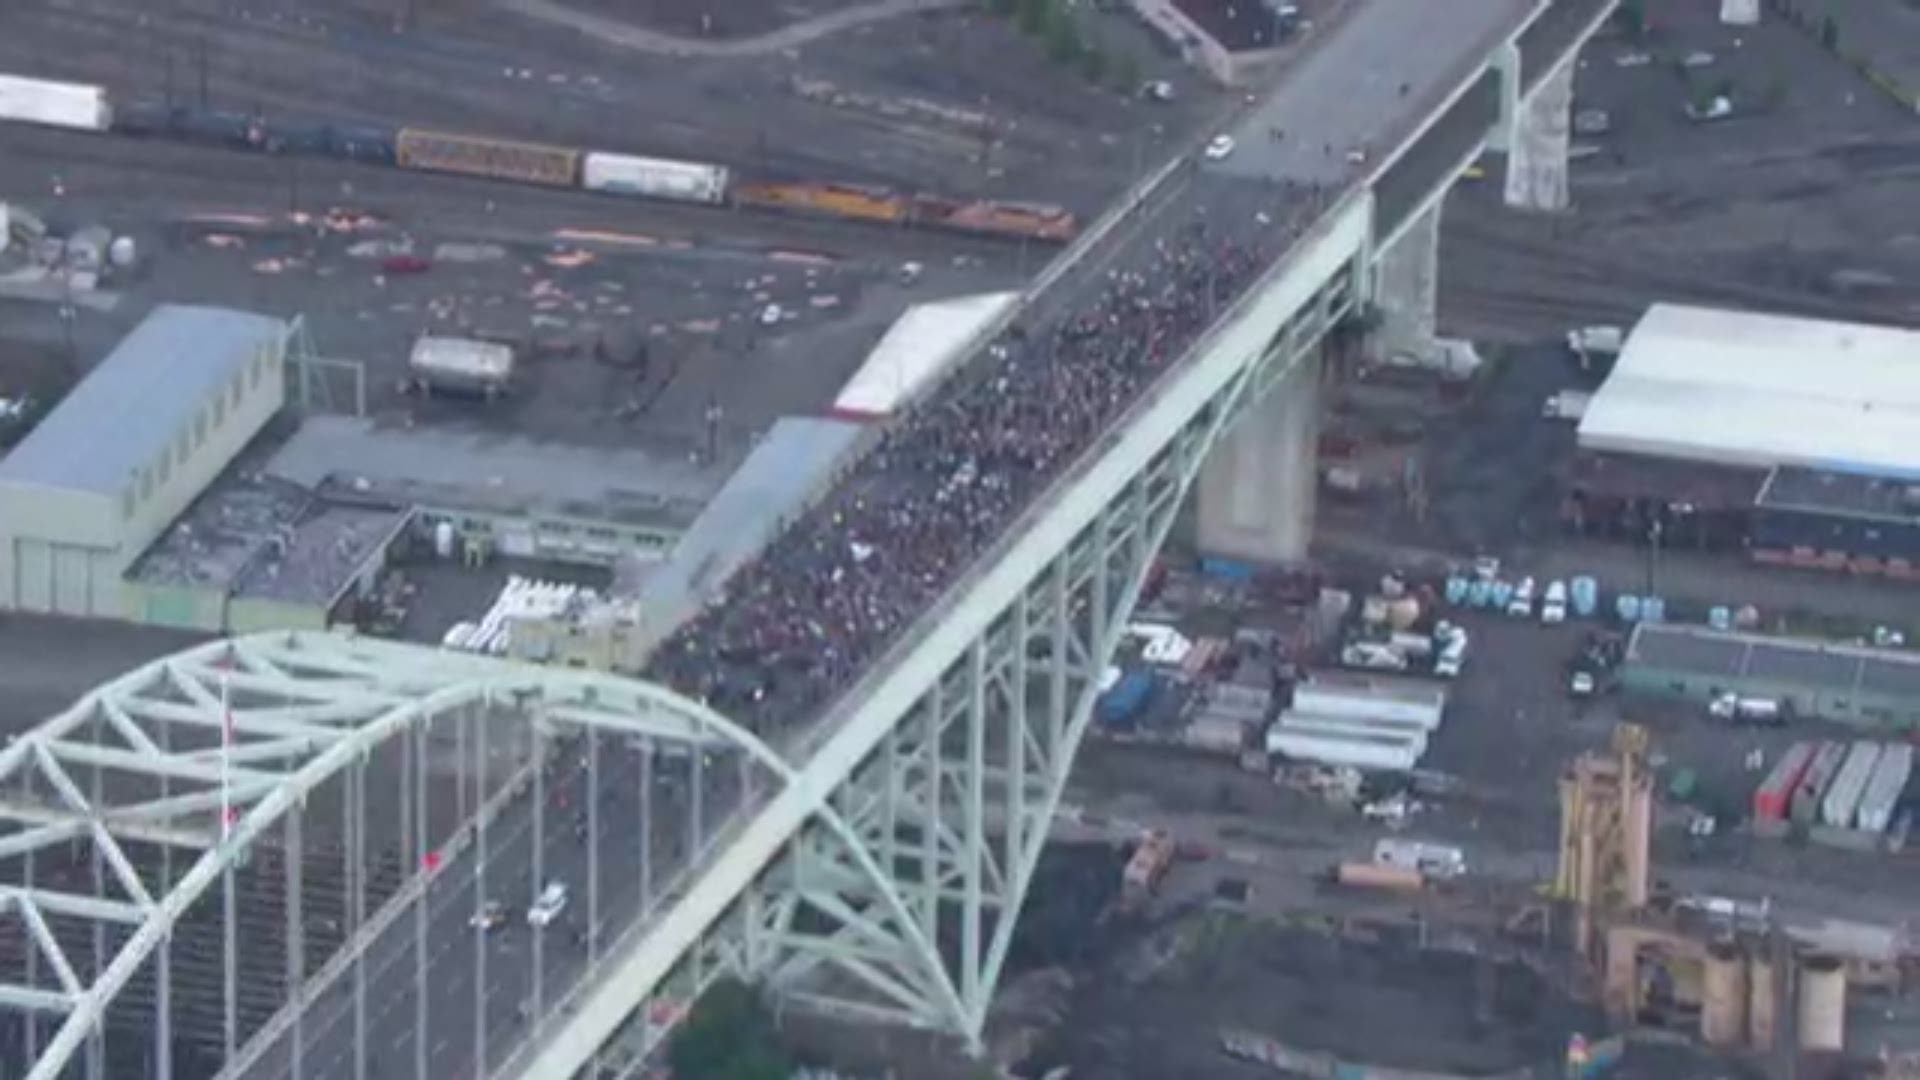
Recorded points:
(1538, 145)
(1257, 488)
(1406, 291)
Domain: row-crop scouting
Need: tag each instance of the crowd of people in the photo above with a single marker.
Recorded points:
(798, 625)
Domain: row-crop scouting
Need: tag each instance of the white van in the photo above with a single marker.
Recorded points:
(1435, 861)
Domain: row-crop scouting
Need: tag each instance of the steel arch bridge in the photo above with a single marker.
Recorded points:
(125, 792)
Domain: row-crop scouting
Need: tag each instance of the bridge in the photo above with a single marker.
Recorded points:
(297, 855)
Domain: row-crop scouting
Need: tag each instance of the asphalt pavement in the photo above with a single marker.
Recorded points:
(514, 961)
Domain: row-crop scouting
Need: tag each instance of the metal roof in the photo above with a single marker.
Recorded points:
(770, 487)
(1813, 664)
(125, 412)
(1762, 390)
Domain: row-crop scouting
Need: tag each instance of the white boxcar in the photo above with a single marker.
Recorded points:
(1379, 753)
(1888, 783)
(655, 178)
(462, 365)
(1843, 798)
(56, 104)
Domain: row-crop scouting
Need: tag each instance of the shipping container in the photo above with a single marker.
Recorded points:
(1842, 800)
(1365, 875)
(1379, 753)
(1805, 808)
(461, 365)
(1372, 696)
(499, 159)
(654, 178)
(1774, 795)
(54, 104)
(1886, 788)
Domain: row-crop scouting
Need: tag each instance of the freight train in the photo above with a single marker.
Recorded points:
(81, 107)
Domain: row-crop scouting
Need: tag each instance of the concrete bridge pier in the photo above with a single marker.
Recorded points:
(1537, 146)
(1406, 291)
(1255, 494)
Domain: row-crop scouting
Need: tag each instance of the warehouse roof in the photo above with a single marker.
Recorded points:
(1762, 390)
(1817, 664)
(124, 413)
(481, 472)
(789, 466)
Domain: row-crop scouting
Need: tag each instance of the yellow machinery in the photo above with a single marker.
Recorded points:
(1606, 819)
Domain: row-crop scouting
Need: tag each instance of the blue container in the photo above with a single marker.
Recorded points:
(1653, 609)
(1627, 606)
(1480, 593)
(1226, 569)
(1122, 705)
(1720, 617)
(1502, 593)
(1457, 590)
(1586, 596)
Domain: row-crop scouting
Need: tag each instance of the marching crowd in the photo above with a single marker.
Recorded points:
(798, 626)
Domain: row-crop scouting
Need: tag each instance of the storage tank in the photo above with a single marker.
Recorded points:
(461, 365)
(1761, 1010)
(1823, 1004)
(1723, 1010)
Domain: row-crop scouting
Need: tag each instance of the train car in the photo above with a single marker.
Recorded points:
(76, 106)
(364, 142)
(862, 201)
(654, 178)
(1026, 221)
(497, 159)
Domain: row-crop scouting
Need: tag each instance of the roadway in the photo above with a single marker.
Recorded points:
(1334, 97)
(460, 959)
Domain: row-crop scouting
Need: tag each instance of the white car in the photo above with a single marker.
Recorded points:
(1219, 147)
(1521, 606)
(1697, 59)
(1633, 59)
(548, 905)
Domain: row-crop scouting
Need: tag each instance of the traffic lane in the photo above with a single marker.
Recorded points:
(1367, 80)
(451, 895)
(452, 954)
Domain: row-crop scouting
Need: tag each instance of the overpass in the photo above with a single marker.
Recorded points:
(848, 790)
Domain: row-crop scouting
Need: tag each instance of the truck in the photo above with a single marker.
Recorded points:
(1122, 705)
(1752, 711)
(1889, 782)
(1432, 861)
(1842, 800)
(460, 366)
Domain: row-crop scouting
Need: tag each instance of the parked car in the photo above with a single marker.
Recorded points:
(491, 916)
(1553, 606)
(1521, 605)
(1219, 148)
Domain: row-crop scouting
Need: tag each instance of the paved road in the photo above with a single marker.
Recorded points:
(460, 960)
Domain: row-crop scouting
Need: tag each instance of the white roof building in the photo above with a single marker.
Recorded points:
(916, 351)
(1735, 388)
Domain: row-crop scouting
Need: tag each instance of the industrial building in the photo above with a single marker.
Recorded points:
(506, 494)
(1797, 440)
(1876, 688)
(103, 475)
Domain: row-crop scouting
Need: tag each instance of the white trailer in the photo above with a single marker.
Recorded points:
(461, 365)
(1374, 753)
(1352, 725)
(1884, 788)
(1843, 798)
(1372, 697)
(55, 104)
(655, 178)
(1433, 860)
